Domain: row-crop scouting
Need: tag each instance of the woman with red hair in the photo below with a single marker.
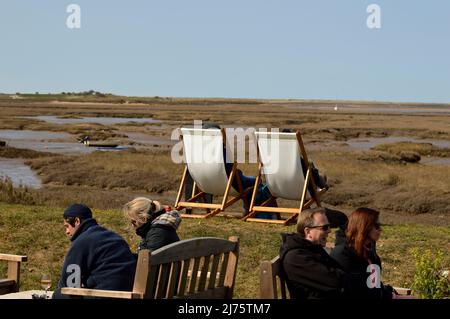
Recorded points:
(357, 255)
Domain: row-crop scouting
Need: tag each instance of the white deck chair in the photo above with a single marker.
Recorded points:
(203, 153)
(280, 156)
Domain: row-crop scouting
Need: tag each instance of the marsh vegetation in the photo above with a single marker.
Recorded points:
(413, 196)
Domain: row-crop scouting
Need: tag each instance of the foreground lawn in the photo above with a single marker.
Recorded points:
(38, 232)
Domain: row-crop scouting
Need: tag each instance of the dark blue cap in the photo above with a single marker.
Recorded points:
(78, 210)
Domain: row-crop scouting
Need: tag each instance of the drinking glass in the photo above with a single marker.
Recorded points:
(46, 283)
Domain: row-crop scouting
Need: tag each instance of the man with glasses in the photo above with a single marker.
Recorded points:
(309, 270)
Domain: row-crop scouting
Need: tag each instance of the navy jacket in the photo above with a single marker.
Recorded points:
(104, 258)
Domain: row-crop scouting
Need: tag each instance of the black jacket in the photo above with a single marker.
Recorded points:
(156, 236)
(160, 230)
(103, 257)
(309, 271)
(357, 267)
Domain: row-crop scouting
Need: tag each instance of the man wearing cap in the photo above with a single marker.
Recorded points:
(98, 258)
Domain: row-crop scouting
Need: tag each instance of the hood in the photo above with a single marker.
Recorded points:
(295, 241)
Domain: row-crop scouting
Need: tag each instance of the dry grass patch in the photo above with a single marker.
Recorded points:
(409, 188)
(424, 149)
(151, 171)
(12, 152)
(16, 195)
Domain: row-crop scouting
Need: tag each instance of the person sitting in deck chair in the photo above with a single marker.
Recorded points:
(247, 181)
(319, 180)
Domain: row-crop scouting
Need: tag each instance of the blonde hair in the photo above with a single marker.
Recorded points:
(140, 209)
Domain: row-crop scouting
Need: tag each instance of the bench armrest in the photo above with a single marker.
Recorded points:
(13, 275)
(17, 258)
(83, 292)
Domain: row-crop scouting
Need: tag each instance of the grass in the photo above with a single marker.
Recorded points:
(397, 243)
(424, 149)
(16, 195)
(151, 171)
(12, 152)
(404, 188)
(100, 177)
(38, 233)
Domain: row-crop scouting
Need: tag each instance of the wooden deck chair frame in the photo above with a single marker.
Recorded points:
(202, 267)
(315, 195)
(273, 286)
(211, 208)
(12, 282)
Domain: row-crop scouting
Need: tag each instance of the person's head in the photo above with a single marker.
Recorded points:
(363, 228)
(140, 210)
(313, 225)
(73, 216)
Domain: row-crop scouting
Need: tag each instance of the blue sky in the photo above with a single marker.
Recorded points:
(229, 48)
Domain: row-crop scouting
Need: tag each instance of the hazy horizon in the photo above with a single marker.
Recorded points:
(293, 49)
(246, 98)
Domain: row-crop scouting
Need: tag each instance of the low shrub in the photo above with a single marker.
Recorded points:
(429, 282)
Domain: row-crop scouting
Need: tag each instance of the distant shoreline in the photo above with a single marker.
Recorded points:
(123, 99)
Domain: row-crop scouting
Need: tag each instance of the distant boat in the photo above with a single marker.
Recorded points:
(101, 144)
(87, 142)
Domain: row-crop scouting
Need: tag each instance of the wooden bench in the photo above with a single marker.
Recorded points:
(12, 281)
(167, 272)
(272, 286)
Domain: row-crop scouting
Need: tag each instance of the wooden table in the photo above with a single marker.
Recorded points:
(27, 294)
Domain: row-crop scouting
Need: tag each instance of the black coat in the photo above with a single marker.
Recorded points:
(155, 236)
(309, 271)
(357, 267)
(103, 257)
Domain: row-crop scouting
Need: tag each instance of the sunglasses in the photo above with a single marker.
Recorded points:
(322, 227)
(377, 226)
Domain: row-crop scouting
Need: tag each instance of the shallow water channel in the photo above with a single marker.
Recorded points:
(19, 173)
(63, 143)
(43, 141)
(99, 120)
(367, 143)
